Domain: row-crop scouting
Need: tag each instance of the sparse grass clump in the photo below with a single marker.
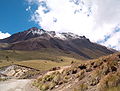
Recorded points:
(95, 75)
(29, 74)
(44, 87)
(81, 87)
(48, 81)
(80, 75)
(47, 78)
(52, 85)
(3, 79)
(113, 88)
(110, 81)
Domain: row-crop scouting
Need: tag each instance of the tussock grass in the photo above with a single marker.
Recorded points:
(94, 75)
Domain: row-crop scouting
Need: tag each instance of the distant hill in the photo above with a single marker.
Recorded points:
(37, 39)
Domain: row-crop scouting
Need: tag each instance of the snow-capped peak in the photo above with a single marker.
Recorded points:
(37, 31)
(53, 34)
(69, 35)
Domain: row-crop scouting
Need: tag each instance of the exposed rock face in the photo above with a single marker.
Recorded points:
(35, 39)
(16, 71)
(96, 75)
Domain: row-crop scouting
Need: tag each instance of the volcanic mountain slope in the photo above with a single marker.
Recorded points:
(101, 74)
(36, 39)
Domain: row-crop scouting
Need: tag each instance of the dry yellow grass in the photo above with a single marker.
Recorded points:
(99, 75)
(42, 60)
(42, 64)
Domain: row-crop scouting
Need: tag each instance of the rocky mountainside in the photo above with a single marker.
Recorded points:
(37, 39)
(101, 74)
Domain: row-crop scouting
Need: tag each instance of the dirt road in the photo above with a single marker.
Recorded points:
(17, 85)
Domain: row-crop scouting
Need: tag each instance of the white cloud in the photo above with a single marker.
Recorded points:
(4, 35)
(92, 18)
(31, 1)
(29, 8)
(114, 41)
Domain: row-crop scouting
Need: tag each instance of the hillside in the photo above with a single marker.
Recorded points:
(35, 59)
(102, 74)
(43, 54)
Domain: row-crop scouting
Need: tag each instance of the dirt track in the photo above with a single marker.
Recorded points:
(17, 85)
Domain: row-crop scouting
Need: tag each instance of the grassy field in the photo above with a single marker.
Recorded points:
(40, 64)
(42, 60)
(44, 54)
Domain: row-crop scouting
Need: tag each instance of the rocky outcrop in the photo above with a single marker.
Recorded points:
(17, 71)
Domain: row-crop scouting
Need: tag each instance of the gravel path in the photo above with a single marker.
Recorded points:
(17, 85)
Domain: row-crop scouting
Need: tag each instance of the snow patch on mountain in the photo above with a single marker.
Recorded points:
(60, 36)
(69, 35)
(36, 31)
(53, 34)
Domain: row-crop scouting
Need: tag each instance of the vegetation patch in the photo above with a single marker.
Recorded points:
(94, 75)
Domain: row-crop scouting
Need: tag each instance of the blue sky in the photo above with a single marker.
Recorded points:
(90, 18)
(14, 17)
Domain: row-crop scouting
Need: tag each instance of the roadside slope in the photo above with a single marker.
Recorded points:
(100, 74)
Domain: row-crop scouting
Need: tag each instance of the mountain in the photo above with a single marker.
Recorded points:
(37, 39)
(35, 32)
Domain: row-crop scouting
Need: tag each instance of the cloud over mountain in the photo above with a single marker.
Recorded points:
(95, 19)
(4, 35)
